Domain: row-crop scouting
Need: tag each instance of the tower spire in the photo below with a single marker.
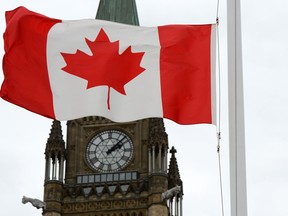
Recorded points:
(173, 173)
(55, 153)
(121, 11)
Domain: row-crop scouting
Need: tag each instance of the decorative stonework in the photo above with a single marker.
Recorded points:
(131, 203)
(110, 189)
(158, 136)
(173, 171)
(91, 130)
(96, 206)
(89, 120)
(55, 146)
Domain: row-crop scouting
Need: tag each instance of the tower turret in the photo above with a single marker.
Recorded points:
(175, 185)
(157, 166)
(55, 155)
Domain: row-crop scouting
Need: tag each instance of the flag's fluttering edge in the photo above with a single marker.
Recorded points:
(71, 69)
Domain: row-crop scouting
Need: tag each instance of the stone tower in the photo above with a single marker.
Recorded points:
(115, 169)
(108, 168)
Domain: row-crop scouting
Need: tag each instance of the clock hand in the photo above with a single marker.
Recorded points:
(118, 145)
(113, 148)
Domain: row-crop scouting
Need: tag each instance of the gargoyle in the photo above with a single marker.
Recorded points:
(35, 202)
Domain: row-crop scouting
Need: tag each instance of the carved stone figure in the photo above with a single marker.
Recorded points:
(35, 202)
(171, 192)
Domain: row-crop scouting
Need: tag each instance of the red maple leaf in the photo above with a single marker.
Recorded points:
(106, 66)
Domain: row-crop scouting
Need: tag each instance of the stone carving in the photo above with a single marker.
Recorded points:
(35, 202)
(92, 120)
(116, 205)
(171, 193)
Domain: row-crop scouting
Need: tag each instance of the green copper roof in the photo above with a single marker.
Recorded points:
(121, 11)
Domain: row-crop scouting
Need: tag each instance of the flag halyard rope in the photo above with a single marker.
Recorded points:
(218, 125)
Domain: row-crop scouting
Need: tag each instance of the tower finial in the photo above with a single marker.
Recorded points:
(173, 171)
(55, 143)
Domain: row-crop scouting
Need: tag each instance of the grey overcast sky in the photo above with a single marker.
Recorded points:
(265, 70)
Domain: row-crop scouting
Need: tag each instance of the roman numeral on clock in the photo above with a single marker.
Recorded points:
(125, 158)
(127, 150)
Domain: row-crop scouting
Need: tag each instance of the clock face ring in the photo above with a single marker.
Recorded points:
(109, 151)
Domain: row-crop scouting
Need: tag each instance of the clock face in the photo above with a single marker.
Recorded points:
(109, 151)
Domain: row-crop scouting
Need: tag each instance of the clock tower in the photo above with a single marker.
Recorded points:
(107, 168)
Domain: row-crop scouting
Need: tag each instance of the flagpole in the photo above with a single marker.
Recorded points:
(238, 194)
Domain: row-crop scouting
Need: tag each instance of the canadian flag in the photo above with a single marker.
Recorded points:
(71, 69)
